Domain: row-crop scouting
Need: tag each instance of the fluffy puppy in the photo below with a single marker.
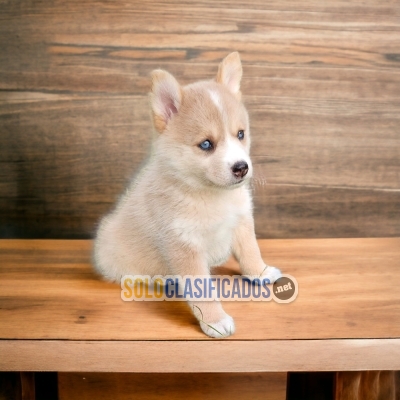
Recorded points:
(189, 208)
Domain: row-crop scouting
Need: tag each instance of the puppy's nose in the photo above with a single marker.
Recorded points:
(240, 169)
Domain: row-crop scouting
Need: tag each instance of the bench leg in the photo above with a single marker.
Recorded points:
(351, 385)
(366, 385)
(27, 385)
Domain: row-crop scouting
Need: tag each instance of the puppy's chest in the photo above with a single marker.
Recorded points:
(205, 225)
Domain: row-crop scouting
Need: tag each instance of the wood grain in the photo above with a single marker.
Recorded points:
(195, 356)
(27, 386)
(347, 289)
(240, 386)
(366, 385)
(321, 82)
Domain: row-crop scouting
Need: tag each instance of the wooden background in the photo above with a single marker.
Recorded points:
(321, 82)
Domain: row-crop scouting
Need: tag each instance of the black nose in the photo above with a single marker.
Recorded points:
(240, 169)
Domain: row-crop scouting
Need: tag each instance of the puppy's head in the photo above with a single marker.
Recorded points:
(204, 127)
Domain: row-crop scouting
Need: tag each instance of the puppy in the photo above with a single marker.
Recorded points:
(190, 206)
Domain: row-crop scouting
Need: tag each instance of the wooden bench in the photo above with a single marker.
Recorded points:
(321, 83)
(56, 315)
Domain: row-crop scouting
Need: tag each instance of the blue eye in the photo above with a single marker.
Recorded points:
(240, 135)
(206, 145)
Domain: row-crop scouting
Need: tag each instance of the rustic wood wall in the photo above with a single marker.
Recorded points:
(321, 82)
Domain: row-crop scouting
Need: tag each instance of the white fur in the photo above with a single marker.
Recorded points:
(221, 329)
(216, 99)
(234, 152)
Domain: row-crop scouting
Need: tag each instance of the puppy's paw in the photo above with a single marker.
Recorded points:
(271, 273)
(221, 329)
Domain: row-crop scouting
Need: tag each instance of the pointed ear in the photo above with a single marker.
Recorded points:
(230, 73)
(166, 98)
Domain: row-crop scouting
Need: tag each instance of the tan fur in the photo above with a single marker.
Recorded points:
(185, 211)
(230, 73)
(159, 123)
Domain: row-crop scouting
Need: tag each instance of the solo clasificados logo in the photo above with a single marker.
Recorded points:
(207, 288)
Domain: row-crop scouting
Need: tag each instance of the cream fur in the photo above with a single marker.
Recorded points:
(185, 211)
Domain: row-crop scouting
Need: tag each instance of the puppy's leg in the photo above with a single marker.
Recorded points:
(214, 321)
(246, 251)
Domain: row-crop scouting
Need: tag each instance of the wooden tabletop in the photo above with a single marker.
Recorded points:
(51, 301)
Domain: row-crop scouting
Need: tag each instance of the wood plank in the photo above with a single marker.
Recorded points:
(172, 386)
(288, 202)
(347, 289)
(321, 82)
(371, 385)
(293, 211)
(184, 356)
(27, 386)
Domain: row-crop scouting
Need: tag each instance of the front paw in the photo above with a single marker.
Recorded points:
(271, 273)
(221, 329)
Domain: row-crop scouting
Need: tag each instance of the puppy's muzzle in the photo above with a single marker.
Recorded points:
(240, 169)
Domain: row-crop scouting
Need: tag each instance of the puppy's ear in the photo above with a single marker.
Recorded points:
(166, 98)
(230, 73)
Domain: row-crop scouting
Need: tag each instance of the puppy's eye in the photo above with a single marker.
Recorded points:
(240, 135)
(206, 145)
